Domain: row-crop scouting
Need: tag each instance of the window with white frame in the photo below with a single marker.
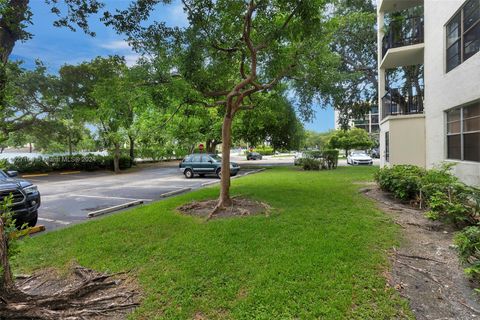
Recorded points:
(463, 133)
(463, 34)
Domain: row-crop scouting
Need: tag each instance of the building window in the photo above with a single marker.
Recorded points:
(463, 133)
(463, 34)
(387, 146)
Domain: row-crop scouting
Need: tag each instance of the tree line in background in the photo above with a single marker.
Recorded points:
(104, 104)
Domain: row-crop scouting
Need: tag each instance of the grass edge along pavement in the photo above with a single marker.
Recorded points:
(321, 253)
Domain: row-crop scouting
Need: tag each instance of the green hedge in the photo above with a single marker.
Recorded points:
(89, 162)
(264, 151)
(446, 198)
(320, 160)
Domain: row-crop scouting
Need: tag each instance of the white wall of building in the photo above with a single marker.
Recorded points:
(443, 90)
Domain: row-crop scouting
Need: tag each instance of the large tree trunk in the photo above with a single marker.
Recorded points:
(116, 158)
(132, 148)
(225, 200)
(7, 285)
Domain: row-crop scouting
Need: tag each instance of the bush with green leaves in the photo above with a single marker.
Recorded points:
(12, 232)
(26, 164)
(265, 151)
(326, 159)
(331, 158)
(309, 164)
(468, 246)
(446, 198)
(404, 181)
(89, 162)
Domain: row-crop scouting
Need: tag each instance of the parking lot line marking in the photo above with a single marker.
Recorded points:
(35, 175)
(108, 197)
(70, 172)
(54, 221)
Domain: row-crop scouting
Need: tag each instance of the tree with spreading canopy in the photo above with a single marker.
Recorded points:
(233, 51)
(15, 17)
(347, 140)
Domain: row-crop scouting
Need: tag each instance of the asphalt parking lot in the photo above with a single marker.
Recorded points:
(69, 198)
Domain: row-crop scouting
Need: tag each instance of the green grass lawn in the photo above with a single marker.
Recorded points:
(319, 255)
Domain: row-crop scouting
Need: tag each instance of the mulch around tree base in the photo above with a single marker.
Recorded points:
(426, 268)
(241, 207)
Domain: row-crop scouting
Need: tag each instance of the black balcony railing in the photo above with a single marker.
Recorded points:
(394, 103)
(403, 32)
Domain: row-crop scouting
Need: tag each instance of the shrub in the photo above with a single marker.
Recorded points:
(89, 162)
(331, 158)
(468, 246)
(403, 181)
(25, 164)
(3, 165)
(264, 151)
(326, 159)
(447, 199)
(311, 164)
(315, 154)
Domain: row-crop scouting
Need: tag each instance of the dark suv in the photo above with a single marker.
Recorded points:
(26, 198)
(205, 163)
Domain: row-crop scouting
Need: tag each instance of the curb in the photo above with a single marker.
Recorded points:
(70, 172)
(254, 171)
(34, 175)
(26, 232)
(115, 208)
(174, 192)
(210, 183)
(37, 229)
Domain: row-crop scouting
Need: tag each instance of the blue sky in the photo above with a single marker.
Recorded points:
(58, 46)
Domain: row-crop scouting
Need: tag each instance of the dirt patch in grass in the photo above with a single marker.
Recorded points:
(241, 207)
(82, 294)
(426, 269)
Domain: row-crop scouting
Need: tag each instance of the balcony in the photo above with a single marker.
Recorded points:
(403, 45)
(394, 103)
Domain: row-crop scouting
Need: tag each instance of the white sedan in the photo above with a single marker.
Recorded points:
(359, 157)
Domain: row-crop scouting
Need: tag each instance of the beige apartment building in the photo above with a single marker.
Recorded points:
(429, 84)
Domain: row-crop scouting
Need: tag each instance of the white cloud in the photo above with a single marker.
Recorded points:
(131, 59)
(116, 45)
(121, 48)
